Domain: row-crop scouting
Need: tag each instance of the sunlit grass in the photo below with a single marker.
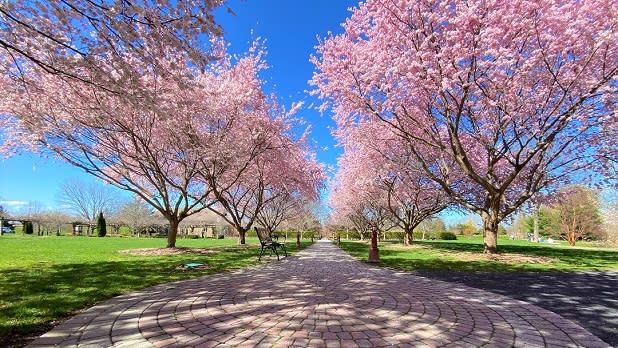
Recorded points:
(465, 255)
(43, 279)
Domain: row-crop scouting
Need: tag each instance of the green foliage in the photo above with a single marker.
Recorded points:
(575, 208)
(101, 225)
(448, 236)
(467, 228)
(397, 235)
(501, 230)
(579, 214)
(549, 222)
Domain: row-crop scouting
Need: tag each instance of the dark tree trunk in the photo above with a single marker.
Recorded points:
(374, 254)
(490, 233)
(241, 236)
(408, 236)
(172, 233)
(537, 209)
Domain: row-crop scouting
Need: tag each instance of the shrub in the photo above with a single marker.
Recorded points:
(101, 226)
(448, 236)
(28, 227)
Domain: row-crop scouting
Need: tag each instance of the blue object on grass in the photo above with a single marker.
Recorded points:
(193, 265)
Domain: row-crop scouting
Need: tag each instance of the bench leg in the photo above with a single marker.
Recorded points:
(261, 252)
(284, 251)
(276, 253)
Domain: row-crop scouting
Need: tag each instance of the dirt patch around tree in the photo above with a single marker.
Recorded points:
(408, 247)
(469, 256)
(169, 251)
(506, 258)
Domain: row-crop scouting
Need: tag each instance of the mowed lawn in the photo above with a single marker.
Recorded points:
(465, 254)
(46, 279)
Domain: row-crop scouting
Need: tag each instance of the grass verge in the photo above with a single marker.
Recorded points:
(466, 255)
(44, 280)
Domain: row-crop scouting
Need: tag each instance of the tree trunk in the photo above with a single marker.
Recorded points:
(241, 236)
(408, 237)
(490, 233)
(172, 233)
(374, 254)
(537, 209)
(571, 237)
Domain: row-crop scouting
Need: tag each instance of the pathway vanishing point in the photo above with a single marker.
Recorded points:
(319, 298)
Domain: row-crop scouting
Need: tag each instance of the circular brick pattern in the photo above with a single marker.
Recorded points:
(319, 298)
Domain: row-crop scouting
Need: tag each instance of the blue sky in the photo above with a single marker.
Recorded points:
(290, 30)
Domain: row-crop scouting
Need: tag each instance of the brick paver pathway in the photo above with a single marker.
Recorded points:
(319, 298)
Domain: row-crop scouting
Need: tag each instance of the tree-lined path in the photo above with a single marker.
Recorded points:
(321, 297)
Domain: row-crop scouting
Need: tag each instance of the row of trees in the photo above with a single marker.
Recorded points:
(145, 97)
(429, 229)
(482, 104)
(134, 214)
(137, 216)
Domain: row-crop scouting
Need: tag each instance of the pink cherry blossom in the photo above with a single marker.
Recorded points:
(184, 140)
(495, 100)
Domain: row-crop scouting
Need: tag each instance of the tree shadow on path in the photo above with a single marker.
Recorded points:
(588, 298)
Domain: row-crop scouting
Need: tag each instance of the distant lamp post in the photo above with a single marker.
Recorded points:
(374, 255)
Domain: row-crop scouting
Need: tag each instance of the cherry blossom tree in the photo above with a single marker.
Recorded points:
(495, 99)
(157, 145)
(413, 198)
(385, 164)
(104, 85)
(280, 206)
(359, 200)
(275, 166)
(68, 38)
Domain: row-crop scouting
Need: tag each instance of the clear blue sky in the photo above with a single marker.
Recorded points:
(290, 29)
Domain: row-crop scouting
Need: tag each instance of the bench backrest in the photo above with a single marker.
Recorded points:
(263, 235)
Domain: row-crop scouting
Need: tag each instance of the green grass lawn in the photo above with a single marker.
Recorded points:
(45, 279)
(466, 255)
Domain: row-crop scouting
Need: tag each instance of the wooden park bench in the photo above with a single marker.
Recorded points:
(267, 243)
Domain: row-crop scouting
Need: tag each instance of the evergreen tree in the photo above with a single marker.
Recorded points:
(28, 227)
(549, 222)
(101, 226)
